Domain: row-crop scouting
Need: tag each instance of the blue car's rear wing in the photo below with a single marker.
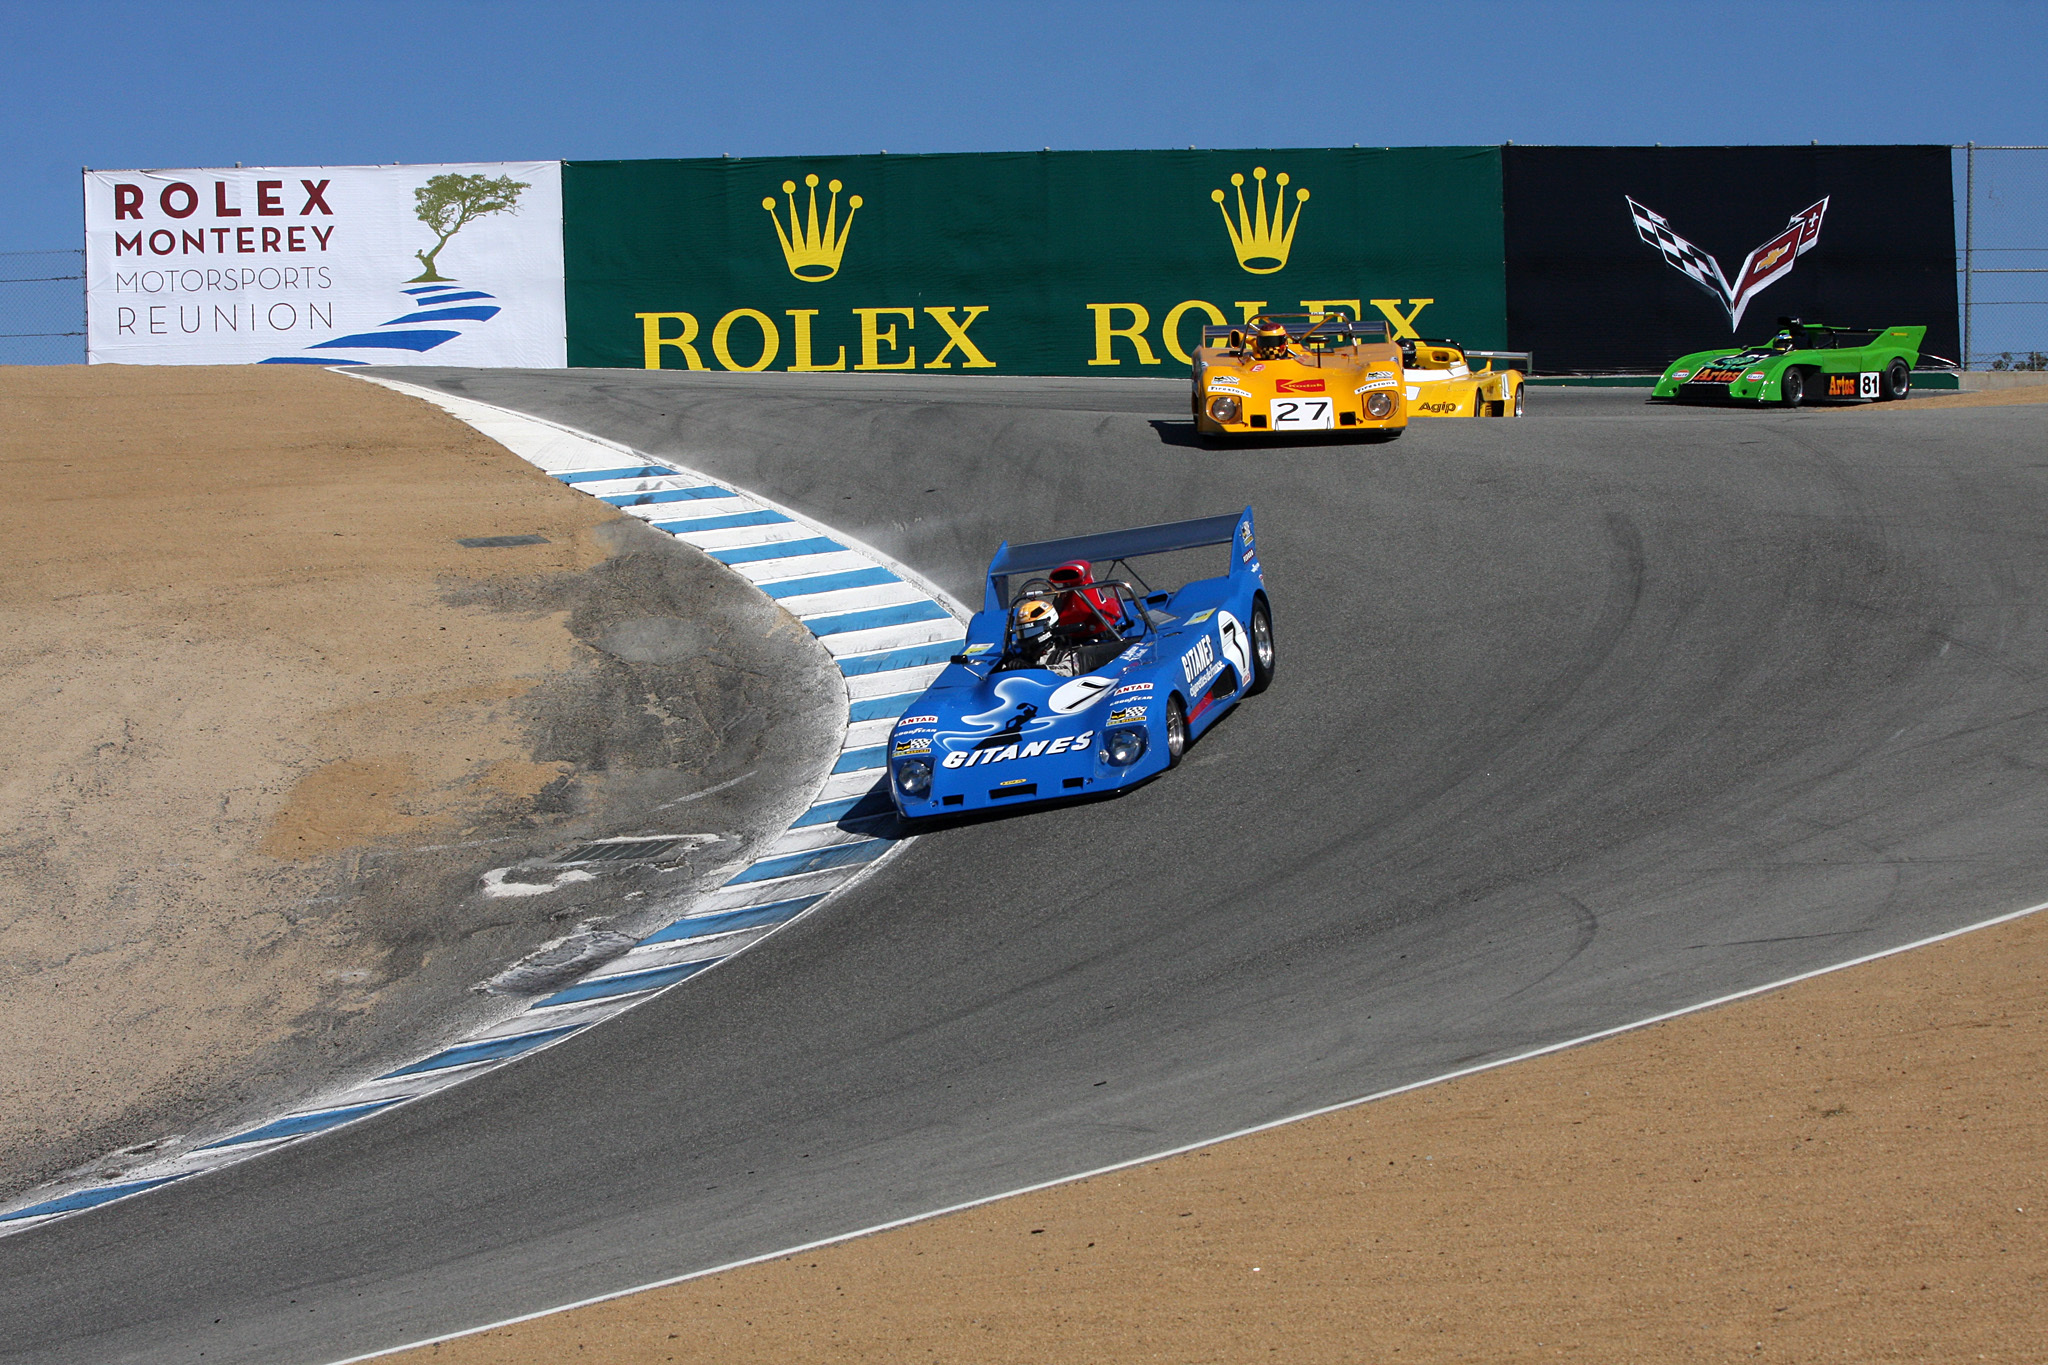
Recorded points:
(1109, 546)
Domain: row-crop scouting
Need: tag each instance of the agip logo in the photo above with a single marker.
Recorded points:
(811, 252)
(1261, 243)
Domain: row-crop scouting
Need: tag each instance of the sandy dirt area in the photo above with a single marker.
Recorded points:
(1854, 1168)
(269, 721)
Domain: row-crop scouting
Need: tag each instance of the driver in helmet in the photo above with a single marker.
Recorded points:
(1034, 622)
(1269, 339)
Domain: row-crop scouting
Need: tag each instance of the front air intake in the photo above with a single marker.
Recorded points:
(1021, 789)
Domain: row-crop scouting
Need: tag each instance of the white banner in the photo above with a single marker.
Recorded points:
(327, 265)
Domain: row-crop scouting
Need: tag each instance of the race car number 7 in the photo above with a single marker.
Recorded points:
(1301, 413)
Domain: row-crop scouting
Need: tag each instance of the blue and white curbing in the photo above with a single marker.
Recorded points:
(889, 631)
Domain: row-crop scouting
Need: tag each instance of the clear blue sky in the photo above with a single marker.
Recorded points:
(191, 83)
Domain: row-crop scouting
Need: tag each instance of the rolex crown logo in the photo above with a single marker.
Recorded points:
(813, 254)
(1261, 245)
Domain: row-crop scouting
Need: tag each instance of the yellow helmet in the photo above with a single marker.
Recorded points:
(1035, 620)
(1269, 338)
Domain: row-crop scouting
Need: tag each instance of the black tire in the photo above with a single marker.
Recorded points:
(1262, 648)
(1518, 399)
(1792, 388)
(1176, 731)
(1897, 382)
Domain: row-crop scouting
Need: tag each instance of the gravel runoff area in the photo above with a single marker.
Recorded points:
(270, 724)
(1853, 1168)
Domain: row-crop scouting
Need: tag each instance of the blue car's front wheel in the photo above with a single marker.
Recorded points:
(1176, 731)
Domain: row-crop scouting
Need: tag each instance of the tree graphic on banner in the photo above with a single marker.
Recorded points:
(448, 203)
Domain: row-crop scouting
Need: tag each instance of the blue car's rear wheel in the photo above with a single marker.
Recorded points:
(1176, 731)
(1262, 648)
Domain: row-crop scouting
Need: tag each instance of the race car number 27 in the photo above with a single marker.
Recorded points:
(1301, 414)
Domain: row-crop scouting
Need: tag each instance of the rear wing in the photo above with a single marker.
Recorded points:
(1527, 359)
(1039, 557)
(1333, 328)
(1905, 338)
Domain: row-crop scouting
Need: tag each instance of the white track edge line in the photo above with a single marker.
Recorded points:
(908, 574)
(1199, 1144)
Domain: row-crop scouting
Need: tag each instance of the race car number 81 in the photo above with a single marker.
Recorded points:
(1301, 413)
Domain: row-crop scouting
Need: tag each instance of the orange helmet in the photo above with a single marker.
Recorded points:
(1269, 338)
(1035, 620)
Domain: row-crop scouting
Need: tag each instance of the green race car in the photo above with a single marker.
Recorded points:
(1804, 363)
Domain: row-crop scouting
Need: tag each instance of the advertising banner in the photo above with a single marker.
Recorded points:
(1623, 258)
(1077, 263)
(327, 265)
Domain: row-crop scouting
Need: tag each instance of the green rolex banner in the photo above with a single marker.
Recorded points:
(1076, 263)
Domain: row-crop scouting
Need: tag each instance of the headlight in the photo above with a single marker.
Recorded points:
(1379, 404)
(1124, 747)
(913, 777)
(1224, 408)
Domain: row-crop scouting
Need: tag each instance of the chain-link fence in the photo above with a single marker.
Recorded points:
(42, 307)
(2002, 256)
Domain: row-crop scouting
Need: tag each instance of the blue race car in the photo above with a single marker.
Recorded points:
(1073, 684)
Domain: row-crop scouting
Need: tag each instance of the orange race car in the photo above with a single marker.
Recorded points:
(1291, 373)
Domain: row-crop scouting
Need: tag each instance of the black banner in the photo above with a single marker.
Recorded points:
(1621, 258)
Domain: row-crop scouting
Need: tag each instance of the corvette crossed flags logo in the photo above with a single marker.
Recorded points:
(1762, 268)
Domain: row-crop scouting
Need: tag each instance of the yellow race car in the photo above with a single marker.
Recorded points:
(1439, 381)
(1289, 373)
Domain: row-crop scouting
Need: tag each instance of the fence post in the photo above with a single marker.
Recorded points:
(1969, 238)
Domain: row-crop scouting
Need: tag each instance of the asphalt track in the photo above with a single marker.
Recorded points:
(1578, 719)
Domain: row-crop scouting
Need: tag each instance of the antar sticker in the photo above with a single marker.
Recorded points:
(1761, 269)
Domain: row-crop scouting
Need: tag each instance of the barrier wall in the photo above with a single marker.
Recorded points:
(1017, 263)
(1620, 258)
(326, 265)
(1052, 263)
